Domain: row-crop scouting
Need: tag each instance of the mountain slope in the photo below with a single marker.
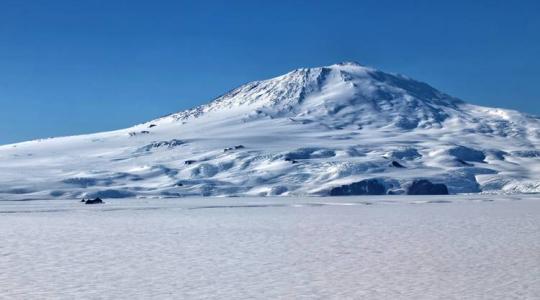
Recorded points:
(302, 133)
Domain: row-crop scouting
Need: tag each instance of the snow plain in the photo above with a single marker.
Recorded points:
(387, 247)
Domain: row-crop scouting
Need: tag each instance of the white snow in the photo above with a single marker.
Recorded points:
(437, 247)
(343, 122)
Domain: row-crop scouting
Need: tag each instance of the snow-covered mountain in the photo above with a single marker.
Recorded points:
(302, 133)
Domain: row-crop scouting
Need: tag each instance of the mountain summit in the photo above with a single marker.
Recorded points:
(342, 94)
(334, 130)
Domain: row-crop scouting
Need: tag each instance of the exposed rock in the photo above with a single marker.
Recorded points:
(95, 201)
(291, 160)
(426, 187)
(364, 187)
(234, 148)
(498, 154)
(395, 164)
(133, 133)
(189, 162)
(154, 145)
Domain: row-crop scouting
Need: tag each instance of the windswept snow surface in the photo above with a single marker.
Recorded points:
(302, 133)
(386, 247)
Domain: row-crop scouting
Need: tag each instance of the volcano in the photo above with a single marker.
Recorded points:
(308, 132)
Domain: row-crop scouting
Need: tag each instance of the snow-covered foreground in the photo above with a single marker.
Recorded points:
(447, 247)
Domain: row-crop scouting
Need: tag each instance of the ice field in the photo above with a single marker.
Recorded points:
(387, 247)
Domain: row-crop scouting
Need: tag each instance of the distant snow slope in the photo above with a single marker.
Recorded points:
(302, 133)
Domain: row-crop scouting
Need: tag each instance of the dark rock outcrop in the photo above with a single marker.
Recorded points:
(161, 144)
(133, 133)
(364, 187)
(395, 164)
(291, 160)
(94, 201)
(234, 148)
(426, 187)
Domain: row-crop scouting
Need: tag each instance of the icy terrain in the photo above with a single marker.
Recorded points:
(307, 132)
(386, 247)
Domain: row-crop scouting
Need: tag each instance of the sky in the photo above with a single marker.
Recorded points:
(72, 67)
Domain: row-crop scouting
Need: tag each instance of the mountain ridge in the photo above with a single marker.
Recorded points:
(302, 133)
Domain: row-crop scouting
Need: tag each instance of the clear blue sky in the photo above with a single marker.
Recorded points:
(69, 67)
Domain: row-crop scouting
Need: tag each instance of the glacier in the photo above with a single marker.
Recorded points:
(304, 133)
